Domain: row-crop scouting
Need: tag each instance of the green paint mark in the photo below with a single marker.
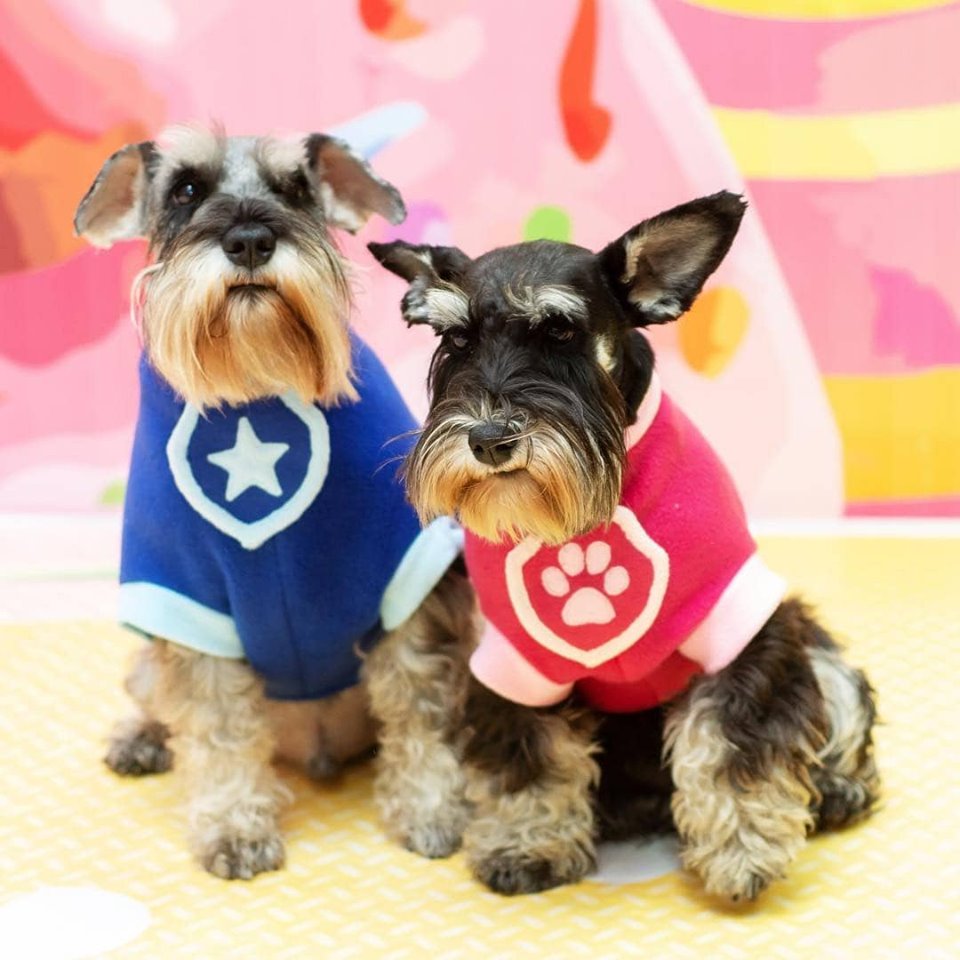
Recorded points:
(548, 223)
(112, 496)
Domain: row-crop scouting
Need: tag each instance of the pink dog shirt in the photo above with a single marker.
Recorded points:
(628, 612)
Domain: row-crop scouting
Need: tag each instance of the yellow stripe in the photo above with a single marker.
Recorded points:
(852, 146)
(901, 433)
(818, 9)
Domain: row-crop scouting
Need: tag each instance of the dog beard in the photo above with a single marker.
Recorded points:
(560, 487)
(221, 335)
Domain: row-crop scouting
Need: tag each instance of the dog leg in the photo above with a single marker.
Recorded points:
(741, 745)
(416, 678)
(530, 778)
(138, 744)
(215, 710)
(847, 778)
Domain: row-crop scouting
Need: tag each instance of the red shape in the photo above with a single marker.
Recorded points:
(50, 312)
(23, 115)
(376, 14)
(585, 123)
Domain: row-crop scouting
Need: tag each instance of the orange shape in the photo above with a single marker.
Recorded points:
(43, 182)
(390, 20)
(713, 328)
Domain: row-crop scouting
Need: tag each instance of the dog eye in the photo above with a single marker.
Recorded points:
(186, 193)
(562, 334)
(458, 341)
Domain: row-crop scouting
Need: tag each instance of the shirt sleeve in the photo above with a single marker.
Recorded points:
(744, 607)
(499, 666)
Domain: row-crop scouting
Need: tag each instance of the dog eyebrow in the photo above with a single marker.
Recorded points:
(441, 304)
(192, 146)
(537, 303)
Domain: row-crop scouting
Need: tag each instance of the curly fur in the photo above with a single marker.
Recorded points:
(752, 748)
(530, 777)
(215, 709)
(416, 681)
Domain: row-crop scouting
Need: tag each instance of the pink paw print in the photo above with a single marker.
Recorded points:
(587, 581)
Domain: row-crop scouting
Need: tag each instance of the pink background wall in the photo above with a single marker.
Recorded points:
(824, 360)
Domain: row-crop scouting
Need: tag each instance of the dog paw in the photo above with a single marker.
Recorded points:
(138, 754)
(586, 582)
(749, 888)
(242, 858)
(843, 800)
(734, 875)
(434, 841)
(511, 872)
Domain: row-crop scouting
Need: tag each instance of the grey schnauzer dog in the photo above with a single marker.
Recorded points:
(266, 552)
(641, 669)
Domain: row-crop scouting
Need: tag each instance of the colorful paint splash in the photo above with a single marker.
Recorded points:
(829, 338)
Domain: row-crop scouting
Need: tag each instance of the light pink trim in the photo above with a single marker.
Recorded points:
(743, 608)
(497, 665)
(645, 413)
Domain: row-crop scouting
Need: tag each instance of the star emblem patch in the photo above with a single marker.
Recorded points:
(253, 473)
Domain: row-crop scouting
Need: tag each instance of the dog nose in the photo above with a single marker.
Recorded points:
(492, 443)
(249, 245)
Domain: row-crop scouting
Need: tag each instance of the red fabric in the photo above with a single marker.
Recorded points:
(679, 537)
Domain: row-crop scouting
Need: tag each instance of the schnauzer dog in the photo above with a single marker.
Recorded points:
(266, 552)
(640, 669)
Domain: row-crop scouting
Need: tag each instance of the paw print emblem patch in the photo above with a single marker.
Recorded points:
(594, 597)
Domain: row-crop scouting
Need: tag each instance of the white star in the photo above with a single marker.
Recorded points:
(250, 463)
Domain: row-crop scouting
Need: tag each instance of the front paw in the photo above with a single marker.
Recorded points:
(138, 754)
(735, 872)
(434, 839)
(515, 871)
(422, 823)
(242, 858)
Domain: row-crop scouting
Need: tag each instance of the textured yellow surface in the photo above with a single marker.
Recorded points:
(886, 889)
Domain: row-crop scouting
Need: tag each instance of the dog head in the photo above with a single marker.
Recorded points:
(541, 367)
(247, 296)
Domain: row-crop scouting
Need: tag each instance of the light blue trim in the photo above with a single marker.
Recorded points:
(160, 612)
(420, 570)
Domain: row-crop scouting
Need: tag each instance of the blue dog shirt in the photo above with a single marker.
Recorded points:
(277, 531)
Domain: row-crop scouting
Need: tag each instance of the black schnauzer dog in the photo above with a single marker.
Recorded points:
(641, 669)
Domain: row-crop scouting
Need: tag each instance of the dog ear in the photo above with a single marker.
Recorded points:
(658, 268)
(445, 264)
(350, 192)
(434, 274)
(114, 207)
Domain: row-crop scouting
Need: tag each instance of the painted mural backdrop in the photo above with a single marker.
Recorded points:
(824, 358)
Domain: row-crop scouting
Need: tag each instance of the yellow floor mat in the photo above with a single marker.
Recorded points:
(69, 829)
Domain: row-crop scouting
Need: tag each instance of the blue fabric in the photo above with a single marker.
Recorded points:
(290, 566)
